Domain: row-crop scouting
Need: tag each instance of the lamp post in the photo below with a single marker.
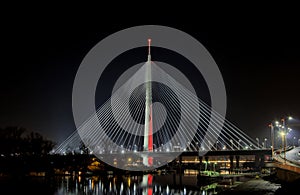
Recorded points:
(277, 129)
(285, 128)
(272, 138)
(266, 142)
(283, 144)
(257, 139)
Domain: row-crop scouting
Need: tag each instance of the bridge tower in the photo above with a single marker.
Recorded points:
(148, 131)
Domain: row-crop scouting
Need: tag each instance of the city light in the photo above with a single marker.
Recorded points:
(280, 129)
(257, 139)
(283, 136)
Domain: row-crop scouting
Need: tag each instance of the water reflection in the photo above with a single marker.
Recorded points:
(132, 184)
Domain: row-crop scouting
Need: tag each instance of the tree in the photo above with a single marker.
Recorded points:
(18, 141)
(83, 148)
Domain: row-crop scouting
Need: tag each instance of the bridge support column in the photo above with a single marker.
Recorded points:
(237, 162)
(180, 165)
(174, 178)
(231, 164)
(206, 163)
(258, 162)
(200, 163)
(262, 161)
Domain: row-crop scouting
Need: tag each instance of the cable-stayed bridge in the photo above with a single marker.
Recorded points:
(153, 118)
(231, 138)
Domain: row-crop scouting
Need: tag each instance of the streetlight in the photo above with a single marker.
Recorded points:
(257, 139)
(266, 142)
(272, 137)
(283, 135)
(284, 126)
(154, 148)
(278, 126)
(284, 120)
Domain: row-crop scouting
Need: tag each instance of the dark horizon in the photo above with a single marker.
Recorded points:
(260, 67)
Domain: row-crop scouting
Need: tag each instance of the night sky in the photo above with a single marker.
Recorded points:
(259, 61)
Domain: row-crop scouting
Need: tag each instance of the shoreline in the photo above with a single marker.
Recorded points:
(263, 185)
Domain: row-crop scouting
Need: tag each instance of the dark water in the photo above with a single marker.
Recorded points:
(123, 184)
(134, 184)
(108, 184)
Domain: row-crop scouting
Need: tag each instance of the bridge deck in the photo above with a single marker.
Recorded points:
(229, 152)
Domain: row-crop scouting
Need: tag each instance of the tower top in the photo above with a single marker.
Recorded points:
(149, 54)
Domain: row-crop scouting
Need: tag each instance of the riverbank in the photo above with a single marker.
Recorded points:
(269, 185)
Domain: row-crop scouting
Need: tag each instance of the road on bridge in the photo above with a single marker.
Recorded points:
(293, 155)
(292, 161)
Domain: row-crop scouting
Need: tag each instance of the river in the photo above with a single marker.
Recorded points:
(134, 184)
